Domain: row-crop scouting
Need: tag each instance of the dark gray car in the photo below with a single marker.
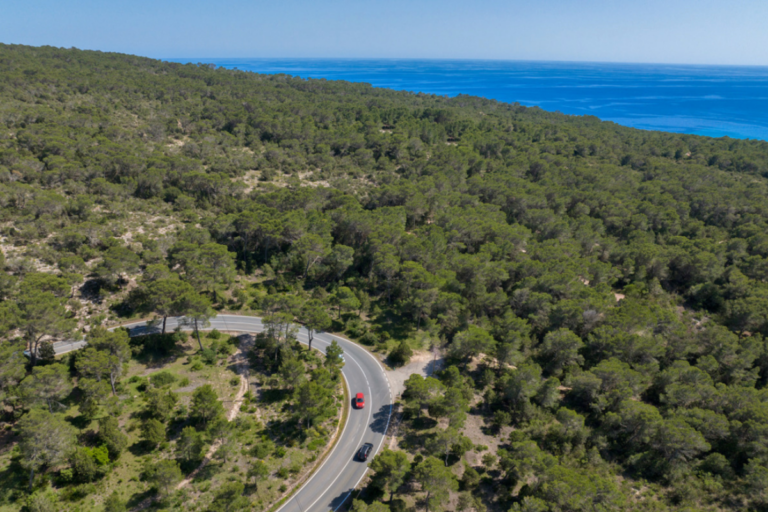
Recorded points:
(364, 451)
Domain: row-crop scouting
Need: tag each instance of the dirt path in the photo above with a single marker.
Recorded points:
(310, 471)
(241, 363)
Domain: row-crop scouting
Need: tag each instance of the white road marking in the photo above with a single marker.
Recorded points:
(296, 494)
(254, 326)
(365, 430)
(386, 429)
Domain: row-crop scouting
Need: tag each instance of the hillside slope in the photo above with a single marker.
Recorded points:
(598, 292)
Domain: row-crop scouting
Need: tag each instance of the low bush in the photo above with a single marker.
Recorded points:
(401, 355)
(369, 338)
(208, 356)
(162, 379)
(160, 344)
(356, 328)
(263, 448)
(316, 443)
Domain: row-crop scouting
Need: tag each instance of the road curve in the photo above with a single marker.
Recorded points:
(339, 474)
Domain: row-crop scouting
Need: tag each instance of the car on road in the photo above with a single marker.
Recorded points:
(359, 401)
(364, 451)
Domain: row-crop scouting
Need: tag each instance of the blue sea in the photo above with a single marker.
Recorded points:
(705, 100)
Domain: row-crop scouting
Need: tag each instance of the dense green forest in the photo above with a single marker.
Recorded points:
(599, 292)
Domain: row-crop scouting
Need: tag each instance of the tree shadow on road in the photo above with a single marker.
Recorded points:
(381, 419)
(340, 499)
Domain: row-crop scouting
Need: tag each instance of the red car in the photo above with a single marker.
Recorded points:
(359, 401)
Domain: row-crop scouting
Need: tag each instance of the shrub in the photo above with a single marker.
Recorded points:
(402, 354)
(489, 460)
(157, 343)
(184, 382)
(471, 477)
(84, 465)
(717, 464)
(209, 356)
(152, 432)
(241, 296)
(263, 448)
(66, 475)
(162, 379)
(369, 338)
(196, 366)
(114, 504)
(261, 341)
(234, 381)
(315, 444)
(397, 505)
(226, 348)
(501, 419)
(112, 437)
(75, 493)
(214, 334)
(356, 328)
(100, 454)
(42, 501)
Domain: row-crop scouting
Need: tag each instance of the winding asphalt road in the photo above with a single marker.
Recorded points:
(337, 477)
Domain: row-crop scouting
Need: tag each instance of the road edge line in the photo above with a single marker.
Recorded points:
(389, 416)
(287, 499)
(345, 412)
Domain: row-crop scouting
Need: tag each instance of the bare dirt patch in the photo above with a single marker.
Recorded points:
(475, 429)
(422, 362)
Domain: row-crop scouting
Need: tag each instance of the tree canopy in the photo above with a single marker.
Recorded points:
(599, 293)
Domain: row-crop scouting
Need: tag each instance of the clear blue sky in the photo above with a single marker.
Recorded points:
(659, 31)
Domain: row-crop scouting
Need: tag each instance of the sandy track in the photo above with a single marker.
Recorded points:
(241, 361)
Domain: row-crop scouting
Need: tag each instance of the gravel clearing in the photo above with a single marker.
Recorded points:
(421, 363)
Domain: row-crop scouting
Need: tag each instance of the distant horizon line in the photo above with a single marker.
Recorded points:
(445, 59)
(197, 60)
